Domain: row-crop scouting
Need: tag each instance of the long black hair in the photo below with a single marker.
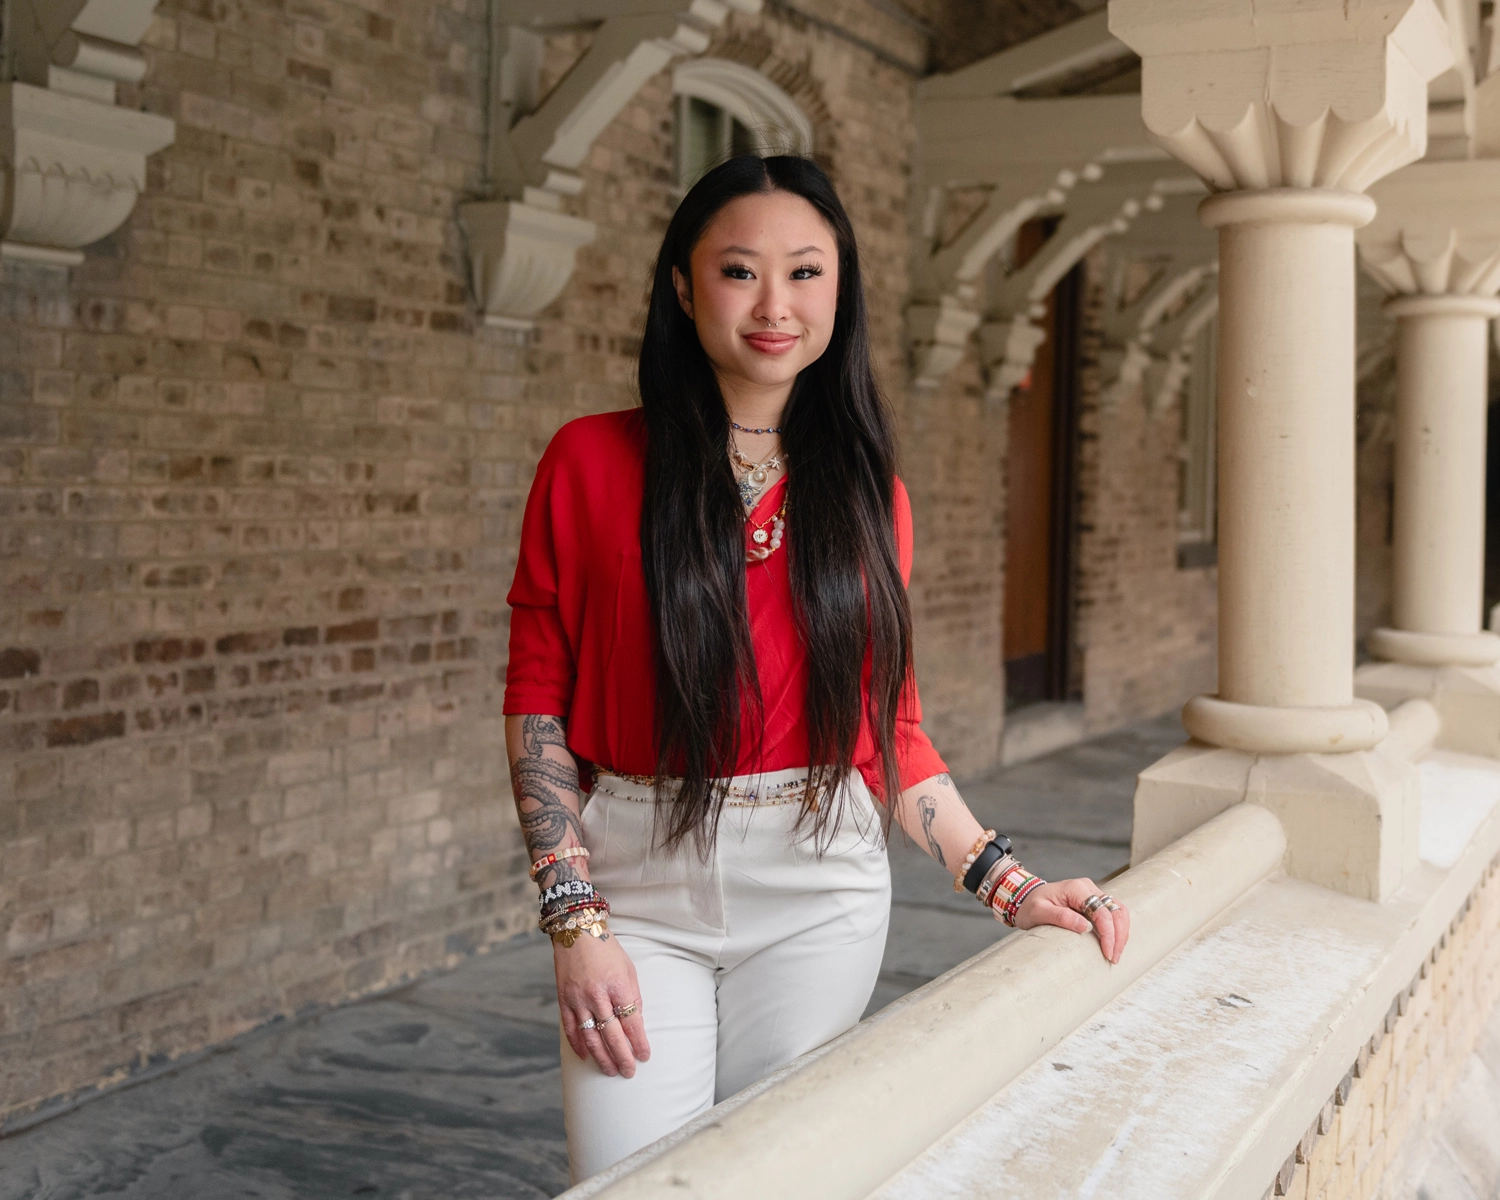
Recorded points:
(849, 600)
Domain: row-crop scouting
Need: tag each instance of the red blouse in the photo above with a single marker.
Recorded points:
(581, 634)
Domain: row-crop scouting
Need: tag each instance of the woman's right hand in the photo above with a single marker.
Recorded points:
(594, 978)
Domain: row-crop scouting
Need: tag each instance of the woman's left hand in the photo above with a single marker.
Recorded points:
(1059, 904)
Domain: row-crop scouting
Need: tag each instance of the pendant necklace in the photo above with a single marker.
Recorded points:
(766, 541)
(756, 473)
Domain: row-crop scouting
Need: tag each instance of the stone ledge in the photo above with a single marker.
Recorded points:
(840, 1121)
(1198, 1080)
(1208, 1064)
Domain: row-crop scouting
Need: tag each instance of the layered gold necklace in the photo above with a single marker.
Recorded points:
(765, 536)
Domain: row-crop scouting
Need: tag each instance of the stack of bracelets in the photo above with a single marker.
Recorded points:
(997, 880)
(571, 907)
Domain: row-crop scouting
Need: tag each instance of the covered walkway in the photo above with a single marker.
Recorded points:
(448, 1089)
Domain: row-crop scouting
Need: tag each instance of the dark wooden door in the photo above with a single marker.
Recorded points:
(1039, 506)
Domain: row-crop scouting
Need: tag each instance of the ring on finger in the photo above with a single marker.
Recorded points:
(1113, 905)
(1093, 904)
(627, 1010)
(587, 1023)
(602, 1022)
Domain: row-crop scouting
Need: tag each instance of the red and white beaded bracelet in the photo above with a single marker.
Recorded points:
(548, 859)
(1012, 906)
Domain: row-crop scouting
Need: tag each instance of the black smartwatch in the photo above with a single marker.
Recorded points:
(988, 857)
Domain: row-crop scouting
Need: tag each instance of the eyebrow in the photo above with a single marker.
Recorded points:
(749, 253)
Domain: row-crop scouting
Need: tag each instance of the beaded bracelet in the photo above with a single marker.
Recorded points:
(557, 912)
(567, 929)
(569, 903)
(1013, 905)
(568, 887)
(984, 840)
(1008, 884)
(548, 859)
(1002, 867)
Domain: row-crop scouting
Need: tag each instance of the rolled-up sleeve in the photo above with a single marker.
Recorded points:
(916, 757)
(542, 669)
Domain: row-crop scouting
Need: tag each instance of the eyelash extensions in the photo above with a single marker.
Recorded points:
(811, 270)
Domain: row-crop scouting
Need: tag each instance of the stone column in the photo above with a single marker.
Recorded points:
(1288, 112)
(1436, 247)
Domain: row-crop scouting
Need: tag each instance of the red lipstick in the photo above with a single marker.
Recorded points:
(771, 343)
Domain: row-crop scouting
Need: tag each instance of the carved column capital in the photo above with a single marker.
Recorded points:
(1292, 93)
(1437, 231)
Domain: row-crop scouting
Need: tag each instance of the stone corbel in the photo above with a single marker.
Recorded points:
(1031, 154)
(939, 335)
(938, 332)
(1172, 295)
(73, 162)
(1181, 335)
(1026, 290)
(522, 243)
(1103, 210)
(1007, 349)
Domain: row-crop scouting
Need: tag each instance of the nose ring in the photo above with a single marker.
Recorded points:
(771, 323)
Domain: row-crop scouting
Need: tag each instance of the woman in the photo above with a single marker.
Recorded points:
(711, 639)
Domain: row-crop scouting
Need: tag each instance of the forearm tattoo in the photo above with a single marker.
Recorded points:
(546, 792)
(927, 806)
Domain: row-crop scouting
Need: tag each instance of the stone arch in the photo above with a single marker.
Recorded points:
(751, 98)
(754, 49)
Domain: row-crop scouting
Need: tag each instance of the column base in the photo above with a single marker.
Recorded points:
(1261, 729)
(1435, 649)
(1351, 819)
(1467, 699)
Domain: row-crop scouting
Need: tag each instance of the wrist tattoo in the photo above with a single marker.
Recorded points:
(927, 806)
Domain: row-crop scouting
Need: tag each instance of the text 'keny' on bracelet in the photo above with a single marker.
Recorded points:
(568, 887)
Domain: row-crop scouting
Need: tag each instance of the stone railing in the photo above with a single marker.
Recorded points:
(1261, 1036)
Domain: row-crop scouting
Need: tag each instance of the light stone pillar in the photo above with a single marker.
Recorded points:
(1436, 246)
(1288, 110)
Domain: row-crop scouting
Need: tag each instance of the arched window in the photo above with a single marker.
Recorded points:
(725, 108)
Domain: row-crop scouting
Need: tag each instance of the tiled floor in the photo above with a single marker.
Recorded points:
(448, 1089)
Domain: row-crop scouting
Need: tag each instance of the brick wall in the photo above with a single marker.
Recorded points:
(953, 460)
(1396, 1087)
(254, 463)
(1146, 628)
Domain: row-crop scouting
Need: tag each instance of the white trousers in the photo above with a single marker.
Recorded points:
(746, 961)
